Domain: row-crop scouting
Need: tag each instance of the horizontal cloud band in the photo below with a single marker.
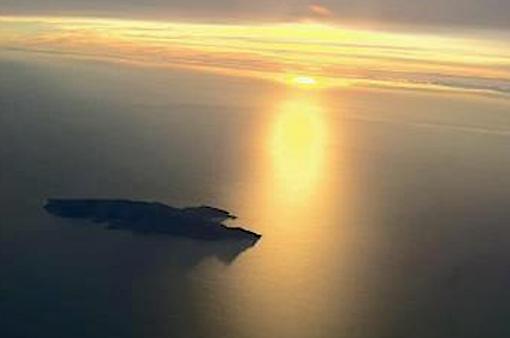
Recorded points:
(335, 55)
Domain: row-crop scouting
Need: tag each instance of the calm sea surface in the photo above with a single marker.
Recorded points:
(383, 213)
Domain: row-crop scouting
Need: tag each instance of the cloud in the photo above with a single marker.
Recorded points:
(334, 55)
(320, 10)
(481, 13)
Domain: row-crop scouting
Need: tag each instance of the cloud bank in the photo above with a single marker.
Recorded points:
(335, 55)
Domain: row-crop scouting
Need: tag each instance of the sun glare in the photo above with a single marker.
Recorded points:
(304, 80)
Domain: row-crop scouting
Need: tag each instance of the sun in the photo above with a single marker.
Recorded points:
(303, 80)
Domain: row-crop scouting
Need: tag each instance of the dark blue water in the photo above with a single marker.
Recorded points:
(383, 214)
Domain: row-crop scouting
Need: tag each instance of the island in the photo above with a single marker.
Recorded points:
(202, 222)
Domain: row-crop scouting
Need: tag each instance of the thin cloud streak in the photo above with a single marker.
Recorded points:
(320, 10)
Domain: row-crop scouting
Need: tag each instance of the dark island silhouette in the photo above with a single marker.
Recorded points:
(201, 222)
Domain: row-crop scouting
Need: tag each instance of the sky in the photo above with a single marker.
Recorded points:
(291, 53)
(487, 14)
(459, 45)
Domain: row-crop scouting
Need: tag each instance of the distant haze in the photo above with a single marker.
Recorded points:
(471, 13)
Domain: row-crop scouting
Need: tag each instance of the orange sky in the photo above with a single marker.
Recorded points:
(330, 54)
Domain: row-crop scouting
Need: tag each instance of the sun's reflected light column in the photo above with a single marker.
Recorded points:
(297, 146)
(293, 189)
(291, 196)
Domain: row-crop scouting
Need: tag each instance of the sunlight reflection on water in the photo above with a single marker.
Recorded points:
(280, 288)
(297, 146)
